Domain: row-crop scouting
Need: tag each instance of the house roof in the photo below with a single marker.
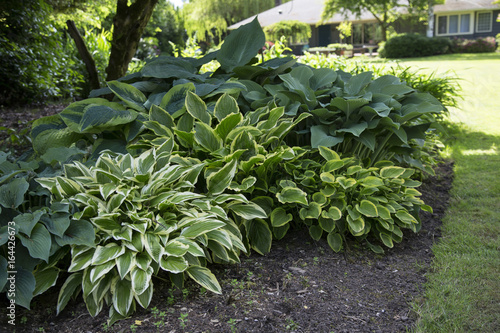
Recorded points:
(306, 11)
(463, 5)
(309, 11)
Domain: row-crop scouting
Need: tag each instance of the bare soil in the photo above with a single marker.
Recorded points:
(301, 286)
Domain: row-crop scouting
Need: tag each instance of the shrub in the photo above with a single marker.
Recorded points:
(414, 45)
(480, 45)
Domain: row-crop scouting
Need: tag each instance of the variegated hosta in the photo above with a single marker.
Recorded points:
(338, 196)
(147, 220)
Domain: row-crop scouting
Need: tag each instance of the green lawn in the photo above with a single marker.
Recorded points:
(463, 289)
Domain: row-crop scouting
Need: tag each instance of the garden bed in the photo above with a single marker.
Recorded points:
(301, 286)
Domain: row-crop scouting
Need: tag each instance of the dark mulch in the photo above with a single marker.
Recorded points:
(301, 286)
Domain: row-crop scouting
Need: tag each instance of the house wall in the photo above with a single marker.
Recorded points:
(495, 29)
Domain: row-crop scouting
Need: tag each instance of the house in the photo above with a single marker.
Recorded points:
(456, 18)
(467, 19)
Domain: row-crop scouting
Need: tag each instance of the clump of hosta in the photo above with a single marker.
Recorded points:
(147, 221)
(339, 197)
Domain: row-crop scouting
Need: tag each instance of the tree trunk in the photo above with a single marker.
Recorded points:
(85, 54)
(430, 20)
(128, 26)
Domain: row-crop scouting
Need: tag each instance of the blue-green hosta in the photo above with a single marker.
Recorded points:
(147, 220)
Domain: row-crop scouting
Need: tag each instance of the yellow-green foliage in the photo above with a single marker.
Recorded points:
(294, 31)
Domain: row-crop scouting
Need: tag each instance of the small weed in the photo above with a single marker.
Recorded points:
(185, 293)
(105, 327)
(232, 325)
(133, 328)
(291, 325)
(183, 320)
(155, 312)
(315, 261)
(23, 320)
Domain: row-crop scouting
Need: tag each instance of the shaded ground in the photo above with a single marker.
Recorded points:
(301, 286)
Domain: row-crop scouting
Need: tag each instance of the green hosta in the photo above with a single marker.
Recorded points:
(34, 234)
(147, 220)
(337, 196)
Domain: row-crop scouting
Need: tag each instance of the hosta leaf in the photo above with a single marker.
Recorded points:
(355, 129)
(25, 222)
(25, 285)
(197, 108)
(387, 240)
(367, 208)
(106, 253)
(122, 296)
(12, 194)
(292, 195)
(140, 280)
(161, 116)
(153, 247)
(207, 137)
(335, 241)
(371, 181)
(405, 217)
(357, 225)
(225, 106)
(357, 82)
(218, 181)
(45, 279)
(38, 243)
(143, 261)
(49, 132)
(81, 261)
(391, 172)
(241, 46)
(245, 184)
(316, 232)
(57, 223)
(248, 210)
(328, 154)
(227, 124)
(175, 248)
(279, 217)
(320, 137)
(323, 77)
(174, 264)
(72, 283)
(193, 247)
(200, 228)
(375, 248)
(175, 99)
(132, 96)
(383, 212)
(99, 271)
(327, 224)
(333, 213)
(145, 298)
(313, 211)
(332, 165)
(259, 235)
(124, 263)
(204, 277)
(346, 182)
(79, 232)
(280, 232)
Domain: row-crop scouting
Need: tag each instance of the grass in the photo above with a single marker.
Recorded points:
(463, 289)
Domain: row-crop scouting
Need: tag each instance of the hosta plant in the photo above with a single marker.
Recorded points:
(147, 221)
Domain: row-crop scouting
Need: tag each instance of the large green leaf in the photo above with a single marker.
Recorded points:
(357, 83)
(50, 132)
(367, 208)
(165, 67)
(95, 115)
(227, 124)
(140, 280)
(248, 210)
(204, 277)
(45, 279)
(320, 137)
(241, 46)
(122, 296)
(72, 283)
(200, 228)
(197, 108)
(259, 235)
(38, 243)
(79, 232)
(12, 194)
(207, 137)
(106, 253)
(292, 195)
(132, 96)
(218, 181)
(335, 241)
(279, 217)
(225, 106)
(175, 99)
(174, 264)
(25, 286)
(25, 222)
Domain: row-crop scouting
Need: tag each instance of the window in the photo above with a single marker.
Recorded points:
(483, 23)
(454, 24)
